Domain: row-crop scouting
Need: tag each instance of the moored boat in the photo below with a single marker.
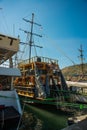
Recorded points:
(76, 119)
(10, 107)
(42, 80)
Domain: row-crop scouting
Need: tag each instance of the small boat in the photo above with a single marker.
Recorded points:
(76, 119)
(10, 107)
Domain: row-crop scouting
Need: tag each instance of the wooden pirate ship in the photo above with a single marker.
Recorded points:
(41, 79)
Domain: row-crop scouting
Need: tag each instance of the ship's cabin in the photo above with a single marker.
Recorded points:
(39, 75)
(41, 66)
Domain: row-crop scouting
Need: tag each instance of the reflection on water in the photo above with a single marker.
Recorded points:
(36, 118)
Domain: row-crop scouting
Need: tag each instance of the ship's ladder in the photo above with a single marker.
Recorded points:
(47, 89)
(57, 92)
(63, 86)
(39, 86)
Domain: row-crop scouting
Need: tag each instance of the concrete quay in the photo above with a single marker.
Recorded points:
(82, 125)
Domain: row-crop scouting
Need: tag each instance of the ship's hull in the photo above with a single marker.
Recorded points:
(49, 103)
(9, 118)
(10, 110)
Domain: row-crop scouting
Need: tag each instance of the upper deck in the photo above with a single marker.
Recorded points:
(8, 47)
(38, 59)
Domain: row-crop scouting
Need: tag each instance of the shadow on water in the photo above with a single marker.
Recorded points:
(39, 118)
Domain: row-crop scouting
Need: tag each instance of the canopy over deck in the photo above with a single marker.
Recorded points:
(9, 71)
(8, 47)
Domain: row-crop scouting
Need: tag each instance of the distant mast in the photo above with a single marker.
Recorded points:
(31, 34)
(81, 59)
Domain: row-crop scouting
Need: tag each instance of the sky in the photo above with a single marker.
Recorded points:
(63, 30)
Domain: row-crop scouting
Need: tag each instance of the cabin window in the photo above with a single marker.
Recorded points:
(5, 82)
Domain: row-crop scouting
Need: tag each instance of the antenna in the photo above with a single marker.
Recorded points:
(31, 34)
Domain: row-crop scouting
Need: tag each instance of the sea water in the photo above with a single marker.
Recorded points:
(43, 118)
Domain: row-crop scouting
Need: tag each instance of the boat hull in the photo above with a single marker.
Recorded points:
(9, 118)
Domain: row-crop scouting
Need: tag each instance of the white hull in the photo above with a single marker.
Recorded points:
(10, 98)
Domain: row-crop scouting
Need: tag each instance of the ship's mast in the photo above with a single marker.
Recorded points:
(31, 34)
(82, 59)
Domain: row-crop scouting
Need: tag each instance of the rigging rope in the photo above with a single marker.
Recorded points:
(21, 114)
(27, 39)
(61, 51)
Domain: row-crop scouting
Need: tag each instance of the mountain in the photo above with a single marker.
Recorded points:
(74, 73)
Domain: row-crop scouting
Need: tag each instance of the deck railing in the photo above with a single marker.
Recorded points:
(38, 59)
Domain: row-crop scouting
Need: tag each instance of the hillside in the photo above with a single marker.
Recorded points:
(74, 73)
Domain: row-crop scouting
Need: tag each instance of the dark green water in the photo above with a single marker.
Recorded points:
(43, 118)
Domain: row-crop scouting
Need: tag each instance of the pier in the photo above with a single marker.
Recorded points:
(82, 125)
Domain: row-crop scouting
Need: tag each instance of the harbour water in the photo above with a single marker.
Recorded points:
(43, 118)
